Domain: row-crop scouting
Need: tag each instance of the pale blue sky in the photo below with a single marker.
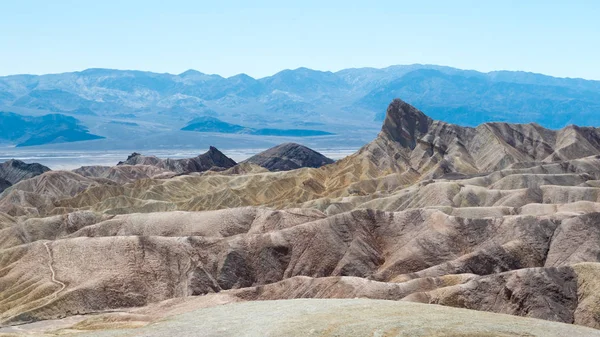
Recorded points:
(560, 38)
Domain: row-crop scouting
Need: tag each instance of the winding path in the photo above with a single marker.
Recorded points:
(54, 280)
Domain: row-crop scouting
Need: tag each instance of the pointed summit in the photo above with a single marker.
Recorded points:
(216, 158)
(404, 123)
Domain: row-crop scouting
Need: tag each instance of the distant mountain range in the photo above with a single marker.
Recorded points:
(135, 109)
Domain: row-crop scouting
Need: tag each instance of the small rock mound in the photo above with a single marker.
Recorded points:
(289, 156)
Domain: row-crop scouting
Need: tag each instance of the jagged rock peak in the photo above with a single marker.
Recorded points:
(135, 154)
(218, 158)
(213, 151)
(14, 170)
(404, 123)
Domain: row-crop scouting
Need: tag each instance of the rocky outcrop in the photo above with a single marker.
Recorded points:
(212, 159)
(4, 184)
(289, 156)
(13, 171)
(409, 140)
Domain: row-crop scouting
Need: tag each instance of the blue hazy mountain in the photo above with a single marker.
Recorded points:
(472, 100)
(152, 108)
(47, 129)
(211, 124)
(304, 81)
(290, 132)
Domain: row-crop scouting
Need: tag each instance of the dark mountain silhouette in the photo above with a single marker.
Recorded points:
(13, 171)
(289, 156)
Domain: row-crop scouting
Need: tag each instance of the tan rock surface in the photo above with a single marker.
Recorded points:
(104, 267)
(124, 173)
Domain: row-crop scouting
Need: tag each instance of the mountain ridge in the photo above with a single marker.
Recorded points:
(389, 68)
(152, 108)
(213, 159)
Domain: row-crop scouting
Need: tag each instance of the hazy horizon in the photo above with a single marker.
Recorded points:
(301, 67)
(262, 37)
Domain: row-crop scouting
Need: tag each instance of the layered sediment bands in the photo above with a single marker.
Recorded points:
(36, 196)
(501, 218)
(48, 228)
(551, 183)
(123, 174)
(525, 292)
(418, 255)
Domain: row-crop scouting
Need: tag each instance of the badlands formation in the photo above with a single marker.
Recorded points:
(433, 217)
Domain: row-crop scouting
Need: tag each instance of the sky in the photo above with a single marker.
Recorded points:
(260, 37)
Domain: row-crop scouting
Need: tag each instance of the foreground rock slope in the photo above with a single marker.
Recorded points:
(501, 218)
(215, 316)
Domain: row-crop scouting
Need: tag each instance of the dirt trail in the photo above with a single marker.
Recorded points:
(54, 280)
